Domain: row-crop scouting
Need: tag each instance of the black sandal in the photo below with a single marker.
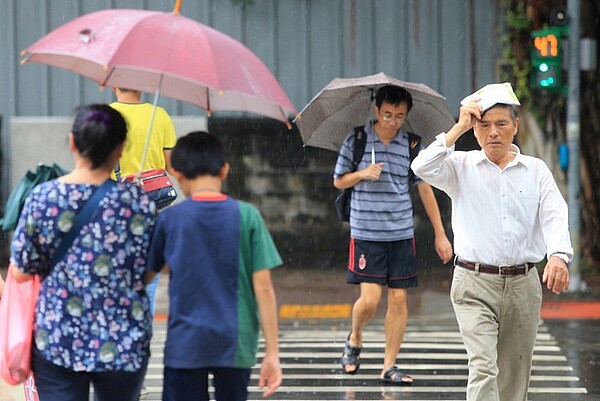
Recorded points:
(393, 377)
(351, 356)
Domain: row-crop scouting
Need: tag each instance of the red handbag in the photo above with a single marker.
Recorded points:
(157, 184)
(17, 308)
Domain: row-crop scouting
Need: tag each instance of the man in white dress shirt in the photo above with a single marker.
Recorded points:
(507, 214)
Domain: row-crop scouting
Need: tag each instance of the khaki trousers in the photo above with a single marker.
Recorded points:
(498, 318)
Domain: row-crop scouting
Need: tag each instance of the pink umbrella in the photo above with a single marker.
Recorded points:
(164, 53)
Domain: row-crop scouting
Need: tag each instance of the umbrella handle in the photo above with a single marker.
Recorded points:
(154, 104)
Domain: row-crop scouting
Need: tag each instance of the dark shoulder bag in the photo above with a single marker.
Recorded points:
(342, 201)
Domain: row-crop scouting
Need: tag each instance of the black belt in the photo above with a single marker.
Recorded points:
(507, 270)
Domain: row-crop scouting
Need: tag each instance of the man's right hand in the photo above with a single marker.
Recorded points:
(469, 114)
(270, 376)
(372, 172)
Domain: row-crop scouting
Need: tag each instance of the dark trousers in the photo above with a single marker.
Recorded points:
(55, 383)
(231, 384)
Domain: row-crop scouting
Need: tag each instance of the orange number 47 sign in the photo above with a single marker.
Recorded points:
(547, 46)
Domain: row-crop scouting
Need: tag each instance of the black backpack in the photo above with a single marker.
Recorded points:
(342, 201)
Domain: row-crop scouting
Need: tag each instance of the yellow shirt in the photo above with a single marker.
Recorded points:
(137, 116)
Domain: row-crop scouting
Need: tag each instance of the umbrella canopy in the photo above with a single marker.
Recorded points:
(164, 53)
(348, 102)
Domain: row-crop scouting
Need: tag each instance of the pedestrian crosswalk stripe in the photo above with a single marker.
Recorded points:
(359, 376)
(405, 345)
(377, 367)
(403, 355)
(407, 389)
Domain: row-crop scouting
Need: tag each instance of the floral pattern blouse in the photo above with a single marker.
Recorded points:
(92, 313)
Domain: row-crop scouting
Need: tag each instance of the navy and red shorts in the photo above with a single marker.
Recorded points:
(387, 263)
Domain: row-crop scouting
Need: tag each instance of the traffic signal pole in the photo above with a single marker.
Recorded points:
(573, 142)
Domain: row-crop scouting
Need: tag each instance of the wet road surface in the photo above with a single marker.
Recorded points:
(566, 363)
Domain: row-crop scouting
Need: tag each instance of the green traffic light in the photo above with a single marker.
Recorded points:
(544, 67)
(547, 82)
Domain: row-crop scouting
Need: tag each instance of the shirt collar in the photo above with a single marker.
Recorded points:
(209, 198)
(374, 137)
(519, 158)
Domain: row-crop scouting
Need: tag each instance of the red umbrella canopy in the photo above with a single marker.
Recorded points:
(166, 52)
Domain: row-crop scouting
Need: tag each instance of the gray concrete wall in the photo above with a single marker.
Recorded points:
(33, 140)
(451, 45)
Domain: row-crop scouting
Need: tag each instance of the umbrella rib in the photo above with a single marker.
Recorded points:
(108, 76)
(208, 110)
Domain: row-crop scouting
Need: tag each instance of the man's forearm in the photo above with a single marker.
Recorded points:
(348, 180)
(429, 164)
(431, 208)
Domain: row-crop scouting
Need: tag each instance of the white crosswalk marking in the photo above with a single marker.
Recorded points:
(432, 353)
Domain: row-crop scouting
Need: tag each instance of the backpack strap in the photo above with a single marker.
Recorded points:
(360, 142)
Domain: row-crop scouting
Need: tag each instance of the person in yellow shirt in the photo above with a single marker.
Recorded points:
(138, 114)
(162, 138)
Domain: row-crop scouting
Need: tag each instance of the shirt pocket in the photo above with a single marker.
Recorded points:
(526, 207)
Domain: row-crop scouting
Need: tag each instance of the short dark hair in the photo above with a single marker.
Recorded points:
(129, 90)
(97, 131)
(394, 95)
(198, 153)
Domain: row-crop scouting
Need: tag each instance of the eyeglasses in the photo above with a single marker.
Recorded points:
(389, 118)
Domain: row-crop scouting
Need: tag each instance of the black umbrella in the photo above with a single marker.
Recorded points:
(348, 102)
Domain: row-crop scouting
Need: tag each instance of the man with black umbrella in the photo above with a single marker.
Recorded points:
(382, 248)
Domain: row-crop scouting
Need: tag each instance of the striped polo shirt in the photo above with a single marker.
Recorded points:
(380, 210)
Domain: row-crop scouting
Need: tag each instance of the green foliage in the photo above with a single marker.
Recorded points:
(517, 73)
(516, 18)
(515, 49)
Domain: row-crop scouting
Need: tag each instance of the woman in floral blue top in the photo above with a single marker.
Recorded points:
(92, 323)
